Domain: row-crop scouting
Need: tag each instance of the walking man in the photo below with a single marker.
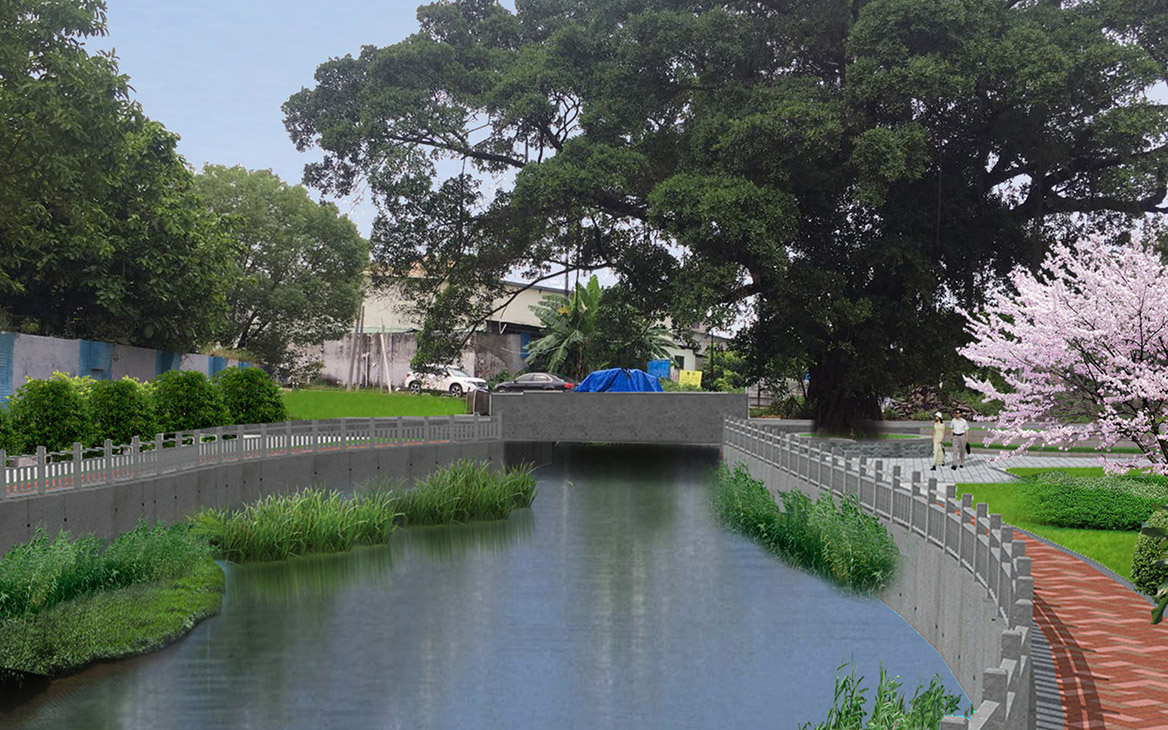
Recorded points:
(960, 428)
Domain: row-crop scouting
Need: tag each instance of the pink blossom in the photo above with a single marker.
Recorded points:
(1083, 348)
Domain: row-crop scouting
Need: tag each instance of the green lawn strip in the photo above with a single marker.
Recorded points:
(1051, 449)
(1110, 548)
(111, 624)
(307, 404)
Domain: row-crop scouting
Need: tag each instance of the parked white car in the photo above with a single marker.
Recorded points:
(447, 378)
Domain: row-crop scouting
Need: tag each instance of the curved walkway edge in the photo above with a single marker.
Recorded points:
(1111, 663)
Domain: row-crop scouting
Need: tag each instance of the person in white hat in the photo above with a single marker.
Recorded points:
(938, 440)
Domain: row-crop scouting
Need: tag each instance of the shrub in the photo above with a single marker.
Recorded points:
(7, 438)
(1095, 503)
(843, 544)
(122, 409)
(52, 413)
(1145, 574)
(251, 396)
(185, 400)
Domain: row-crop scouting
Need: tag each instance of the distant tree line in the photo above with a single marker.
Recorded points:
(106, 234)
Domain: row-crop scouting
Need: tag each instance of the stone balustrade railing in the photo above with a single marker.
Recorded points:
(969, 540)
(81, 467)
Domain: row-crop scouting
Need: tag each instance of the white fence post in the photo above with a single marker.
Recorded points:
(41, 465)
(78, 475)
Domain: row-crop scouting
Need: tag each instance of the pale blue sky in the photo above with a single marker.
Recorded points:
(217, 71)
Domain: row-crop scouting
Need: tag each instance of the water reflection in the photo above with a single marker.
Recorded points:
(614, 602)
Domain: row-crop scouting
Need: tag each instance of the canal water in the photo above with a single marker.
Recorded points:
(615, 602)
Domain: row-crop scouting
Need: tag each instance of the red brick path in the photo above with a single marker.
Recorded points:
(1111, 663)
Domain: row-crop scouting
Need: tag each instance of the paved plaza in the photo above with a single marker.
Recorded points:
(985, 466)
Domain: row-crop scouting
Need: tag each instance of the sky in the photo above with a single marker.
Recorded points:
(217, 71)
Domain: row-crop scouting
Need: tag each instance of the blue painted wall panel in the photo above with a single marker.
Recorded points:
(96, 360)
(218, 364)
(164, 361)
(7, 348)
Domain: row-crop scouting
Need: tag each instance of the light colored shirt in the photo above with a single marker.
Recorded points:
(959, 426)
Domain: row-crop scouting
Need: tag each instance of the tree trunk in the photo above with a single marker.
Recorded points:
(840, 404)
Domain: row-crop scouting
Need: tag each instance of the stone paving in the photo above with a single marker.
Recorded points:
(1111, 664)
(983, 466)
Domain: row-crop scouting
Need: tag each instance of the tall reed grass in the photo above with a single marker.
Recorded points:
(314, 521)
(840, 543)
(462, 492)
(890, 710)
(42, 573)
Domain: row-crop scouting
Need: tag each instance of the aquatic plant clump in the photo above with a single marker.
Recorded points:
(43, 573)
(463, 492)
(315, 521)
(923, 711)
(842, 543)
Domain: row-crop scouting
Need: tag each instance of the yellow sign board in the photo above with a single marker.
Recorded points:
(691, 377)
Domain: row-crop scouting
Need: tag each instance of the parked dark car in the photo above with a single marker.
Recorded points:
(534, 381)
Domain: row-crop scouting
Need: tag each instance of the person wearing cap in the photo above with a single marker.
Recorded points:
(960, 428)
(938, 440)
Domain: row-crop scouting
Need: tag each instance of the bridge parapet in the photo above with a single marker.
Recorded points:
(638, 418)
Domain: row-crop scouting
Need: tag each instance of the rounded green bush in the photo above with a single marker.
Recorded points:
(1145, 574)
(186, 400)
(50, 413)
(251, 396)
(122, 409)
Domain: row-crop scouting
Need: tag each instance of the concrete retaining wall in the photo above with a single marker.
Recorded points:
(660, 418)
(108, 510)
(36, 357)
(963, 582)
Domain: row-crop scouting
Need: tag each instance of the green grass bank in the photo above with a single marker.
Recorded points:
(319, 404)
(1079, 496)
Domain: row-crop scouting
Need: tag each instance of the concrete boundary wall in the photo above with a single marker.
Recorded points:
(964, 583)
(654, 418)
(178, 474)
(37, 357)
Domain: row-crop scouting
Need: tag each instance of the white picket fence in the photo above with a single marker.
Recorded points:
(167, 453)
(978, 542)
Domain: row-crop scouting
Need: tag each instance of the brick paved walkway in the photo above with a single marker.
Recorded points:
(1112, 664)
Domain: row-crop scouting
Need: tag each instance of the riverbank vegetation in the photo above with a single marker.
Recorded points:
(838, 542)
(65, 603)
(890, 707)
(314, 521)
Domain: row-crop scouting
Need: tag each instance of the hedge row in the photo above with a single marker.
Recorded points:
(63, 410)
(1093, 503)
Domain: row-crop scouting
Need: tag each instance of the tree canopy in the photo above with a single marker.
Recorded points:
(845, 178)
(101, 235)
(299, 268)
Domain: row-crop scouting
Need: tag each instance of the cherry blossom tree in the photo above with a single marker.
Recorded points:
(1083, 350)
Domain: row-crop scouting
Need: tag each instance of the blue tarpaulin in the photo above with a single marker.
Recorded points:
(616, 380)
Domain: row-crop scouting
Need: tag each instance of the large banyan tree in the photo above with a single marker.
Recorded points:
(838, 178)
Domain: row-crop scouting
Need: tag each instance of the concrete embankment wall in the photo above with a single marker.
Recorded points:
(114, 506)
(962, 582)
(660, 418)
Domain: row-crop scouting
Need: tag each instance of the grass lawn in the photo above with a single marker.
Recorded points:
(311, 404)
(1111, 548)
